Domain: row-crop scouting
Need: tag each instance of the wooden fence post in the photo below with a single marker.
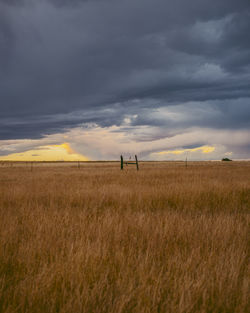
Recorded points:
(137, 165)
(121, 162)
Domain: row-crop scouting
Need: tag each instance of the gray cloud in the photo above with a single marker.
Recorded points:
(66, 63)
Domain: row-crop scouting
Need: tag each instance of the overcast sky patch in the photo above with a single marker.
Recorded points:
(141, 70)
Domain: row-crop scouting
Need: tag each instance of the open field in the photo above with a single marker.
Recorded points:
(96, 239)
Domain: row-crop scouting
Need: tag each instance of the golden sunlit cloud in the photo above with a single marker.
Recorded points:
(62, 152)
(65, 146)
(203, 149)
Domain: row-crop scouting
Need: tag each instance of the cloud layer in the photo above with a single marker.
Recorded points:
(149, 69)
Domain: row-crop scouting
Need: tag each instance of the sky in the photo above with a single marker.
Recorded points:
(93, 79)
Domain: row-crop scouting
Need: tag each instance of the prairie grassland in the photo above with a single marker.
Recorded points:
(96, 239)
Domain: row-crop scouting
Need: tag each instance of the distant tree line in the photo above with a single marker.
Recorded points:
(226, 159)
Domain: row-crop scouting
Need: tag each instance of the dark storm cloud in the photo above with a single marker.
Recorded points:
(60, 57)
(213, 114)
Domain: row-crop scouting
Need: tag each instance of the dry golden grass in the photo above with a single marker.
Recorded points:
(95, 239)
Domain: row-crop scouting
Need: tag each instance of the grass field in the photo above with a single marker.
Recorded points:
(96, 239)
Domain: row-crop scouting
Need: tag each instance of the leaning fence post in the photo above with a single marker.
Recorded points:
(137, 165)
